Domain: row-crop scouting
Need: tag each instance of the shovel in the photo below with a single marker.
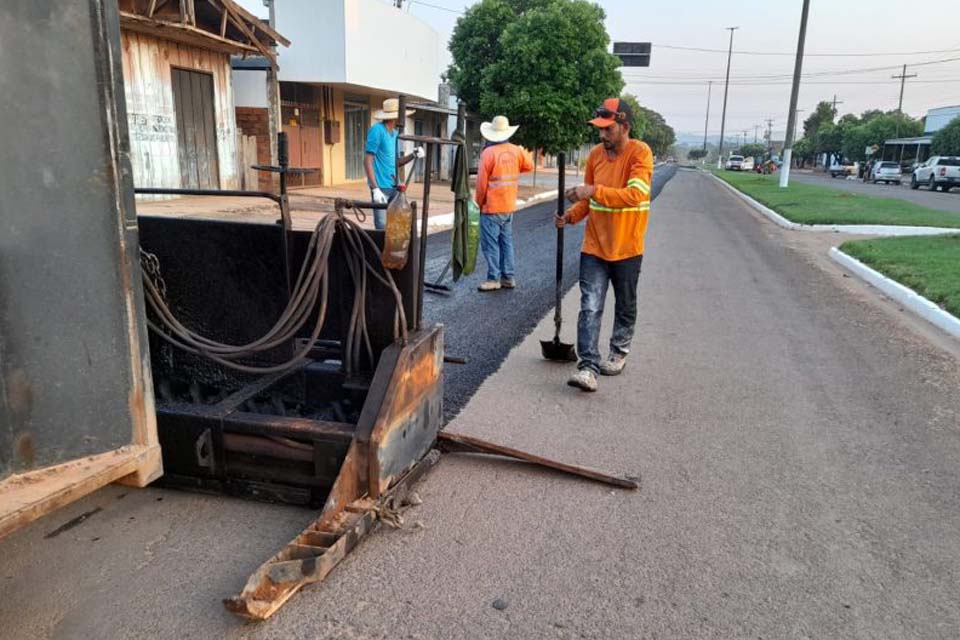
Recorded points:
(554, 349)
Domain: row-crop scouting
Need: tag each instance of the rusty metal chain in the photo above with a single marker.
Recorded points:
(151, 266)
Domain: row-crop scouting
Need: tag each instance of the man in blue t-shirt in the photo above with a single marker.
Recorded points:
(380, 158)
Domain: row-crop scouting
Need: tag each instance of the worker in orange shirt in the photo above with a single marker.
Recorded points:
(615, 200)
(498, 180)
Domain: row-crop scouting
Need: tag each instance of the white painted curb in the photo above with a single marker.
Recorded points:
(904, 295)
(863, 229)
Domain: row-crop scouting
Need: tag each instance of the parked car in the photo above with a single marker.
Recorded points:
(747, 164)
(886, 172)
(734, 163)
(842, 169)
(941, 172)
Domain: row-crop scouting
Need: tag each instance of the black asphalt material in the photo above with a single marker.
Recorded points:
(484, 327)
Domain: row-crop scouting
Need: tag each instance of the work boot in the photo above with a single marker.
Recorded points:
(508, 283)
(613, 365)
(584, 379)
(489, 285)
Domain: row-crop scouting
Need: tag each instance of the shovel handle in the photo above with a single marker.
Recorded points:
(561, 162)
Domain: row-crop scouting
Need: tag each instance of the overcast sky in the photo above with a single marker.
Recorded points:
(768, 26)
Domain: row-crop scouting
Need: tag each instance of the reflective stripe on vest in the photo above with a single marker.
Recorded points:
(639, 185)
(596, 206)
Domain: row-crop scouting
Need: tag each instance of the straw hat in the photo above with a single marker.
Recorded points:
(391, 110)
(498, 130)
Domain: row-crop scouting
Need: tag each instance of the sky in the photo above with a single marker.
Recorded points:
(675, 84)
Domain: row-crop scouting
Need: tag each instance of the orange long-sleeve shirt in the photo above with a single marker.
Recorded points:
(498, 177)
(620, 207)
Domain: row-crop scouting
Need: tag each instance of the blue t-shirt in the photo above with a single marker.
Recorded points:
(382, 143)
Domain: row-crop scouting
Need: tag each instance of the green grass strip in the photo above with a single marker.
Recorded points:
(812, 204)
(930, 265)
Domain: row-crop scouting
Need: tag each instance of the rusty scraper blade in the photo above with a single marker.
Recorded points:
(459, 443)
(558, 351)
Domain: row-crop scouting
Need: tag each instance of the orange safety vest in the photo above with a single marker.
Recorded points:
(498, 177)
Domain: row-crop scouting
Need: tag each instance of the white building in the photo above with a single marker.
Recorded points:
(345, 58)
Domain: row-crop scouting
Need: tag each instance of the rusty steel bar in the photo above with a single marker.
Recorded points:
(424, 216)
(156, 191)
(459, 443)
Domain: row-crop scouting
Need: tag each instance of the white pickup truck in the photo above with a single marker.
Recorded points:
(941, 172)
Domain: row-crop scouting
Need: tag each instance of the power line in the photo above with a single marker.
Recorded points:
(813, 74)
(436, 6)
(700, 83)
(811, 55)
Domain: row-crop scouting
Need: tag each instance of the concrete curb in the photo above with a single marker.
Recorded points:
(862, 229)
(909, 298)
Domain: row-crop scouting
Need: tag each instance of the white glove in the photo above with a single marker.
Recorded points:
(379, 197)
(418, 152)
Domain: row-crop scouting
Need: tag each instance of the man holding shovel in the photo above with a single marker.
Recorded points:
(615, 199)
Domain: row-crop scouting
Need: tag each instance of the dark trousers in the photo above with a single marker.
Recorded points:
(596, 275)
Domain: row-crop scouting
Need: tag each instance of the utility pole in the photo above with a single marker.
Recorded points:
(794, 95)
(769, 135)
(273, 95)
(835, 103)
(903, 79)
(706, 121)
(726, 87)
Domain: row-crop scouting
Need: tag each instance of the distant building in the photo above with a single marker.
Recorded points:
(916, 150)
(346, 58)
(178, 90)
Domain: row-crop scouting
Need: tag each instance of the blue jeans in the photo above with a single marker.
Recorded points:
(380, 215)
(496, 241)
(595, 275)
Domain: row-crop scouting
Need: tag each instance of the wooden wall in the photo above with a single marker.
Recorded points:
(152, 121)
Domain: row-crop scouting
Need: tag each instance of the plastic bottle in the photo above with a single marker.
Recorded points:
(396, 244)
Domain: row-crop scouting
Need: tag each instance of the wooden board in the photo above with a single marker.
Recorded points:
(148, 62)
(26, 497)
(196, 129)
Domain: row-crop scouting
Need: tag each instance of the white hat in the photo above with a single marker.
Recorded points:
(498, 130)
(391, 110)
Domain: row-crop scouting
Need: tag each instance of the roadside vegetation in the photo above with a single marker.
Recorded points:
(930, 265)
(814, 204)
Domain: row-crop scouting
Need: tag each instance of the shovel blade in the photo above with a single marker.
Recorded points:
(558, 351)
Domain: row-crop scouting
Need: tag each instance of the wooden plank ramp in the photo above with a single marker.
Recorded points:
(27, 496)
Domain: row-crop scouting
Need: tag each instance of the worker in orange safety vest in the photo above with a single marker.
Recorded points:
(498, 180)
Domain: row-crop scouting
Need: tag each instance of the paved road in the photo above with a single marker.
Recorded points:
(922, 196)
(798, 441)
(484, 327)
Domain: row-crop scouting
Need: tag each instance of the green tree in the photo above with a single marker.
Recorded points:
(475, 44)
(753, 150)
(657, 133)
(696, 154)
(640, 122)
(874, 130)
(543, 63)
(803, 151)
(823, 114)
(946, 142)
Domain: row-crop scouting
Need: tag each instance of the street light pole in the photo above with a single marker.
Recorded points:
(794, 95)
(726, 87)
(706, 121)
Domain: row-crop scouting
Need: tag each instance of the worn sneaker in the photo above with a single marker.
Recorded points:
(489, 285)
(508, 283)
(613, 365)
(584, 379)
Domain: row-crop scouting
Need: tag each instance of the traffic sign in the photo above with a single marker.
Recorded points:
(633, 54)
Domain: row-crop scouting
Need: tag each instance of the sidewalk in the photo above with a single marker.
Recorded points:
(309, 205)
